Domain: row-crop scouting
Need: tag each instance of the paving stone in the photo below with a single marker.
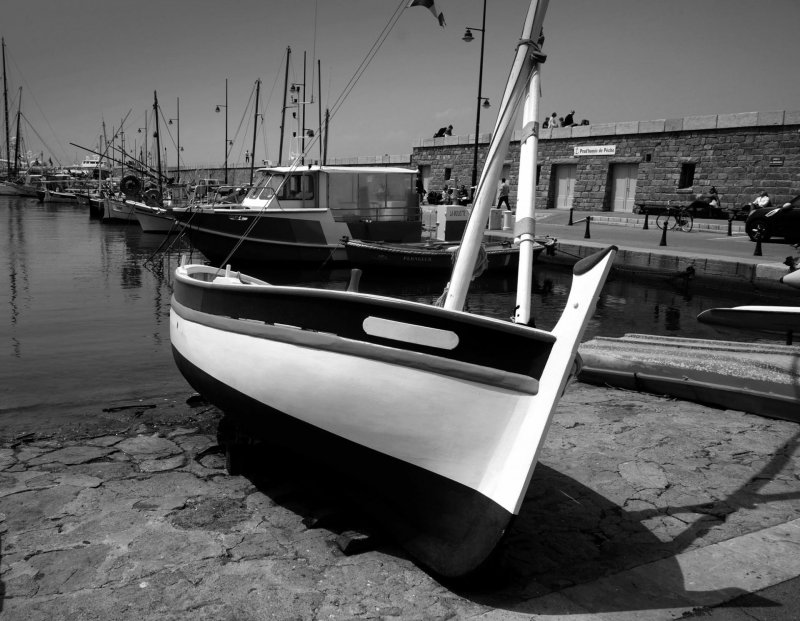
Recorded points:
(149, 446)
(160, 465)
(71, 455)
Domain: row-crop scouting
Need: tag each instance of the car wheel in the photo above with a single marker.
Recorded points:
(758, 229)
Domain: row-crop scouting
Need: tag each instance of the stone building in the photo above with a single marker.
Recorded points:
(617, 166)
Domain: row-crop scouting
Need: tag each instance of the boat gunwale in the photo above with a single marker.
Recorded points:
(358, 298)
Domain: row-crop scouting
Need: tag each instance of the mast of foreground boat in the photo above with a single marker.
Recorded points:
(525, 222)
(525, 66)
(5, 116)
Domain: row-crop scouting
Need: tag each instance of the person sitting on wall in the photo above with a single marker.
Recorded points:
(444, 131)
(546, 122)
(569, 119)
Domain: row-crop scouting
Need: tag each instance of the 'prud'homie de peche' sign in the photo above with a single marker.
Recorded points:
(603, 149)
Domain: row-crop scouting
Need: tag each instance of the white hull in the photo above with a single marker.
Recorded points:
(154, 219)
(451, 435)
(118, 211)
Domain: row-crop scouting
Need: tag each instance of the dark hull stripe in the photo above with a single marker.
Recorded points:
(446, 526)
(481, 341)
(349, 347)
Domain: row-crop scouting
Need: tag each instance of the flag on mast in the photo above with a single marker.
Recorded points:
(431, 6)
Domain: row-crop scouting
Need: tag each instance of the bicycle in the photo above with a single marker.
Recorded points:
(675, 218)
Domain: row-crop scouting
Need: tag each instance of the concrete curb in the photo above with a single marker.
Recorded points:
(676, 264)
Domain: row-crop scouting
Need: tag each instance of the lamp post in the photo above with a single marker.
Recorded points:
(482, 101)
(225, 105)
(178, 148)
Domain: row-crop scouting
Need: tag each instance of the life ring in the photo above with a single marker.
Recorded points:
(130, 185)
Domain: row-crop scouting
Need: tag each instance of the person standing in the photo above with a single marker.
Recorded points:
(503, 195)
(554, 120)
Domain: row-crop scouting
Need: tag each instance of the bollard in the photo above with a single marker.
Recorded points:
(586, 235)
(646, 216)
(757, 252)
(663, 235)
(730, 227)
(570, 217)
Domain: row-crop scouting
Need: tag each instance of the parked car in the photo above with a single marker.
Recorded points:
(771, 222)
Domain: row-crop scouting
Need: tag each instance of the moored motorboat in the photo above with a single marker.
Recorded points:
(302, 213)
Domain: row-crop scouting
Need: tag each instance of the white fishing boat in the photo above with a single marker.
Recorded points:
(118, 209)
(301, 214)
(435, 416)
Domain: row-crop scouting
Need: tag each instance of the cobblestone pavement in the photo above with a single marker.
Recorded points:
(145, 523)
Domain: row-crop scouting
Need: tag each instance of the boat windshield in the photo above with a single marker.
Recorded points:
(293, 187)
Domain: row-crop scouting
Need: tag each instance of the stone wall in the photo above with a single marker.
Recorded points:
(741, 154)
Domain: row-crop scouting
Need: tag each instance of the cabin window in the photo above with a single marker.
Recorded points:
(687, 175)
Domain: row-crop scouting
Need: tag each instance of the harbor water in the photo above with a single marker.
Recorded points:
(85, 326)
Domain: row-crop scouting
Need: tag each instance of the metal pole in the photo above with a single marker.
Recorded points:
(178, 173)
(478, 108)
(5, 117)
(255, 127)
(283, 107)
(226, 131)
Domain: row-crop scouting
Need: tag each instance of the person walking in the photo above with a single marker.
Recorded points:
(503, 195)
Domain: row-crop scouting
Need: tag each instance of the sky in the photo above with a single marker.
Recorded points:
(83, 63)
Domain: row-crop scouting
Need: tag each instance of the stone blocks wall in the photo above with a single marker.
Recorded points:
(741, 154)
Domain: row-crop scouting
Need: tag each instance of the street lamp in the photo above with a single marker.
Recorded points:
(482, 101)
(178, 148)
(225, 105)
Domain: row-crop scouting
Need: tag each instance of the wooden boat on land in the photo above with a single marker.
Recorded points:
(432, 255)
(436, 432)
(302, 213)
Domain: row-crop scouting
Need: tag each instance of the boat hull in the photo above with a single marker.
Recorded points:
(155, 219)
(118, 211)
(283, 236)
(449, 526)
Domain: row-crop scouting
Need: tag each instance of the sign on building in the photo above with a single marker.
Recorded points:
(603, 149)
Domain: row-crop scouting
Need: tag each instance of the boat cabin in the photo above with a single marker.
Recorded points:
(350, 193)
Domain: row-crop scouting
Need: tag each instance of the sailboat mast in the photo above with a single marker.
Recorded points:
(319, 106)
(525, 222)
(5, 105)
(255, 128)
(16, 141)
(525, 62)
(283, 107)
(158, 143)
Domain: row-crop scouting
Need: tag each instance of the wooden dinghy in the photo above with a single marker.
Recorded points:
(434, 255)
(433, 416)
